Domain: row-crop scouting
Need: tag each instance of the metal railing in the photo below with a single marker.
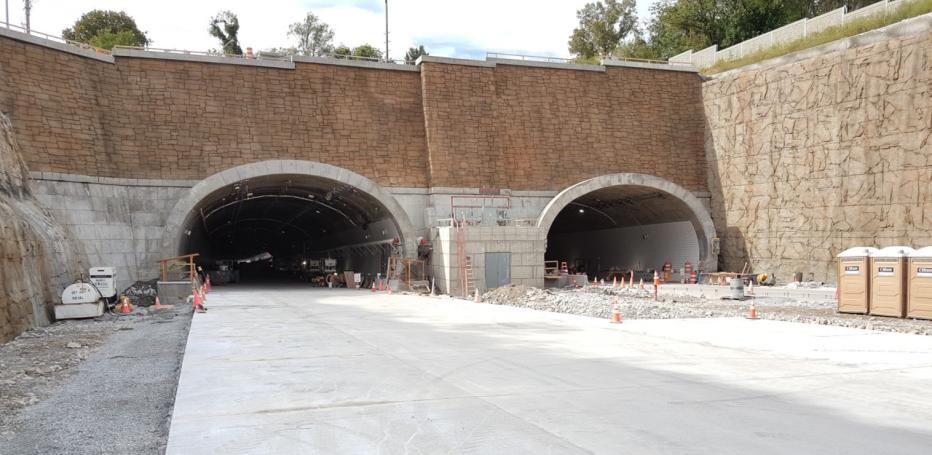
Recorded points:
(54, 38)
(527, 58)
(785, 34)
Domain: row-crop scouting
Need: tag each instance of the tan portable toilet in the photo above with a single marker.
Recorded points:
(888, 281)
(854, 280)
(920, 284)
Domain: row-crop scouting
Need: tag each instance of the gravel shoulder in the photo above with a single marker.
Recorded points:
(93, 386)
(638, 304)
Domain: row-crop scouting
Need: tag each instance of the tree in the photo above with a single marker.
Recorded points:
(414, 53)
(106, 29)
(314, 37)
(368, 52)
(603, 26)
(678, 25)
(229, 41)
(342, 51)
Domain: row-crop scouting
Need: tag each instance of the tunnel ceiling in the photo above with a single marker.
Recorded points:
(620, 206)
(282, 211)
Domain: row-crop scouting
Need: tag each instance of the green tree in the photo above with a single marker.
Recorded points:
(367, 51)
(603, 26)
(678, 25)
(314, 37)
(414, 53)
(106, 29)
(342, 51)
(225, 27)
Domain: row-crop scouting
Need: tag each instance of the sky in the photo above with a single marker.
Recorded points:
(448, 28)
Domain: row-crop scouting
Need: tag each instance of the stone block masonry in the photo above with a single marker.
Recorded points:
(442, 124)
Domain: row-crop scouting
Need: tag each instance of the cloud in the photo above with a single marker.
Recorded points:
(453, 28)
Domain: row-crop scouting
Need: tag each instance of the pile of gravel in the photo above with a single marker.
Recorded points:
(142, 293)
(596, 301)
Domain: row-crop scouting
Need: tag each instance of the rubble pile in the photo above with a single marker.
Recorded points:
(142, 293)
(596, 301)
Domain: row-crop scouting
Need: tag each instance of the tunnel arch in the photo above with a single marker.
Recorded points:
(185, 209)
(700, 218)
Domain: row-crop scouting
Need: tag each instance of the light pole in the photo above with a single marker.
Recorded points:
(7, 4)
(386, 30)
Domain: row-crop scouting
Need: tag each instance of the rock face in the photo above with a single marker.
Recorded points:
(36, 260)
(815, 156)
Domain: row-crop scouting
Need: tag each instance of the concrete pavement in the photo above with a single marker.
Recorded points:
(297, 370)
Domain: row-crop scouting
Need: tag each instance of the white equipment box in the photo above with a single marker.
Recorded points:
(80, 300)
(104, 278)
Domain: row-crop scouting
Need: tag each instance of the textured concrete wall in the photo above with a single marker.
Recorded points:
(36, 258)
(443, 125)
(167, 119)
(813, 156)
(115, 222)
(535, 128)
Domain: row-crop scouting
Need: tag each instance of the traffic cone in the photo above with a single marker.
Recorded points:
(642, 284)
(656, 284)
(622, 281)
(614, 281)
(752, 312)
(477, 300)
(602, 282)
(158, 303)
(373, 286)
(199, 302)
(631, 281)
(751, 288)
(616, 313)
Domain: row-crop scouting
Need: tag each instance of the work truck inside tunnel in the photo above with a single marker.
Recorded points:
(290, 227)
(617, 230)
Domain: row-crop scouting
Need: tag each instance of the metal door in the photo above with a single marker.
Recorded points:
(497, 269)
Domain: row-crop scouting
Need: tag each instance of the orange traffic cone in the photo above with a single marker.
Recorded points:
(642, 284)
(622, 282)
(614, 281)
(477, 299)
(198, 302)
(616, 313)
(752, 312)
(373, 286)
(158, 303)
(631, 281)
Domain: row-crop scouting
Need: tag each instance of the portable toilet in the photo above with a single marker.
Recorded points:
(920, 284)
(854, 280)
(888, 281)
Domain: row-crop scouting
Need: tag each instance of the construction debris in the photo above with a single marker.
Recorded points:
(142, 293)
(638, 304)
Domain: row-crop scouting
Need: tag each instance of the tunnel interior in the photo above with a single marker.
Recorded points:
(621, 229)
(293, 227)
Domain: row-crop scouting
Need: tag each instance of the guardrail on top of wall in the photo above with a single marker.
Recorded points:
(54, 38)
(785, 34)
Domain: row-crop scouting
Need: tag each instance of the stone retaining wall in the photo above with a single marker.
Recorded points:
(810, 157)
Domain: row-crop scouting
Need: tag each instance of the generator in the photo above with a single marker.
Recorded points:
(104, 279)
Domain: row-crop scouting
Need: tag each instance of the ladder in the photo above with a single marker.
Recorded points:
(467, 279)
